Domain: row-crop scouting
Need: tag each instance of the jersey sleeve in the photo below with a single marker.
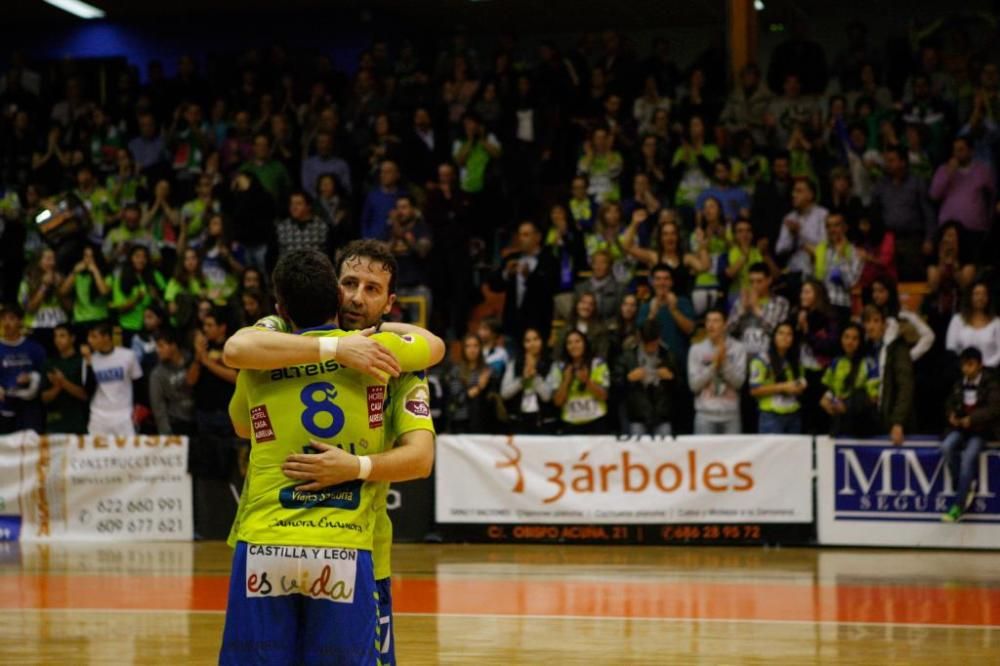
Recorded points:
(409, 405)
(273, 323)
(239, 411)
(412, 351)
(758, 373)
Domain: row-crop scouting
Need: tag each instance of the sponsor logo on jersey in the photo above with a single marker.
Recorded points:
(260, 421)
(418, 402)
(344, 496)
(376, 403)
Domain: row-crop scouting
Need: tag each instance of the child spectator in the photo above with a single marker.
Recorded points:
(170, 393)
(777, 381)
(109, 376)
(63, 387)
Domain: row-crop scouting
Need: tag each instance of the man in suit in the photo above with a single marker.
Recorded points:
(529, 280)
(423, 149)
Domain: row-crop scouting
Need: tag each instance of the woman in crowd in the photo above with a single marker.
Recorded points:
(883, 294)
(184, 289)
(609, 235)
(139, 286)
(163, 220)
(851, 394)
(40, 296)
(816, 326)
(623, 331)
(144, 341)
(666, 248)
(526, 386)
(222, 261)
(976, 325)
(468, 381)
(584, 318)
(777, 381)
(709, 244)
(953, 271)
(692, 165)
(89, 290)
(582, 382)
(125, 184)
(331, 204)
(254, 305)
(876, 246)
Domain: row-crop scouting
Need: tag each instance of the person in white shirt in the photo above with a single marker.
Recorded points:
(113, 369)
(802, 230)
(977, 325)
(717, 369)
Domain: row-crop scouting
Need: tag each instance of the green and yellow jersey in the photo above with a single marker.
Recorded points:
(407, 408)
(762, 374)
(286, 408)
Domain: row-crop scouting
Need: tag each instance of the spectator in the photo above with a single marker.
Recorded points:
(772, 198)
(666, 248)
(144, 345)
(582, 207)
(757, 312)
(88, 289)
(494, 351)
(646, 372)
(63, 388)
(973, 411)
(222, 260)
(609, 236)
(743, 253)
(777, 381)
(252, 211)
(876, 248)
(894, 373)
(966, 188)
(110, 375)
(841, 198)
(674, 313)
(333, 207)
(527, 387)
(21, 364)
(302, 229)
(606, 290)
(139, 286)
(952, 272)
(747, 104)
(710, 245)
(271, 173)
(423, 149)
(95, 198)
(170, 393)
(195, 213)
(838, 265)
(148, 148)
(410, 241)
(900, 202)
(735, 201)
(529, 279)
(474, 154)
(255, 305)
(381, 200)
(643, 198)
(581, 384)
(976, 325)
(40, 298)
(585, 319)
(818, 335)
(213, 384)
(646, 105)
(602, 165)
(851, 394)
(325, 162)
(692, 164)
(801, 231)
(789, 111)
(128, 234)
(162, 220)
(717, 369)
(185, 288)
(468, 381)
(623, 329)
(565, 241)
(904, 324)
(652, 158)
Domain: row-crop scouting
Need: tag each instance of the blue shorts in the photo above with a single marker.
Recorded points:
(296, 604)
(387, 646)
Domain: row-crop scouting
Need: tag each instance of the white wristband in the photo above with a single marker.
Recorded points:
(328, 348)
(365, 470)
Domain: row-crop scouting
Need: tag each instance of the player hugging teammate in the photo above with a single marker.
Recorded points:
(333, 418)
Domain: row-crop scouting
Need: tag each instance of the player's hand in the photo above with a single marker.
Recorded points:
(330, 467)
(361, 353)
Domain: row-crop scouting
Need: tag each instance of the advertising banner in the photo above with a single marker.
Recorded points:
(86, 488)
(876, 494)
(723, 481)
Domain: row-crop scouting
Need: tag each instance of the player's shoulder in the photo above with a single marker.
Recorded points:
(273, 323)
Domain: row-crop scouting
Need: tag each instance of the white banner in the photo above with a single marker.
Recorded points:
(876, 494)
(86, 488)
(587, 480)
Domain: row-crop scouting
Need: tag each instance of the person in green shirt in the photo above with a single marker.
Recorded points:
(95, 198)
(271, 173)
(137, 286)
(66, 399)
(89, 290)
(692, 164)
(125, 184)
(852, 387)
(184, 288)
(320, 387)
(195, 213)
(776, 381)
(474, 153)
(582, 382)
(602, 165)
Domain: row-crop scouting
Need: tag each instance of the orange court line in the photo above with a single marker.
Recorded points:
(897, 604)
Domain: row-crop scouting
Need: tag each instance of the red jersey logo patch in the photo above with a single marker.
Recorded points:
(261, 423)
(376, 400)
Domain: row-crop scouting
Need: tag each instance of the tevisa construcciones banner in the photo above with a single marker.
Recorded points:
(593, 480)
(87, 488)
(876, 494)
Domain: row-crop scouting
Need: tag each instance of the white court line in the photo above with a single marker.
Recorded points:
(507, 616)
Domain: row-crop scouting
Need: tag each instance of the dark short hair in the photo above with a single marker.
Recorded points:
(220, 315)
(716, 310)
(305, 284)
(65, 327)
(898, 152)
(662, 268)
(169, 335)
(14, 309)
(870, 311)
(101, 327)
(971, 354)
(760, 268)
(373, 250)
(650, 330)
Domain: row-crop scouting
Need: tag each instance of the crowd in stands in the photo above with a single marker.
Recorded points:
(613, 241)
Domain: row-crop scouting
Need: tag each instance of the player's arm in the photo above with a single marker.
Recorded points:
(255, 348)
(412, 458)
(435, 345)
(239, 412)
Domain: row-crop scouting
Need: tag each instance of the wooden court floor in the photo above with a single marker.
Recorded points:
(163, 603)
